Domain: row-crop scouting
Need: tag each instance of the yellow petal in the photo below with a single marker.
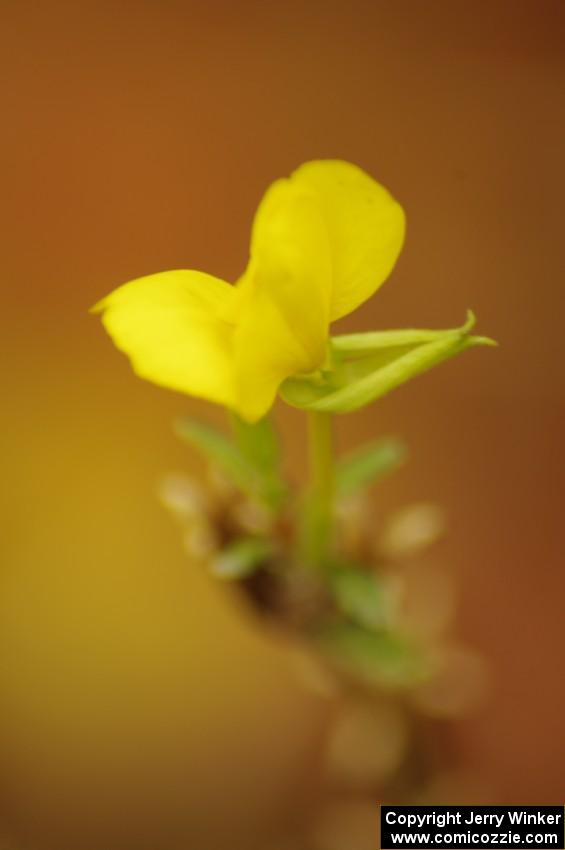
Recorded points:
(171, 326)
(365, 228)
(323, 240)
(283, 297)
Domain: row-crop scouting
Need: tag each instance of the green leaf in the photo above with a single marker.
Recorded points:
(377, 658)
(220, 450)
(258, 442)
(368, 465)
(259, 445)
(252, 463)
(242, 558)
(356, 383)
(360, 595)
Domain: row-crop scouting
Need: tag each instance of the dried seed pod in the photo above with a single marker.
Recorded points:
(411, 530)
(183, 497)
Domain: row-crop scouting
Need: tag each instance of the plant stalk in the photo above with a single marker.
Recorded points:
(319, 514)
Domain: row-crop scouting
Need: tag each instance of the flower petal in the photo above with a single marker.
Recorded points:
(365, 228)
(171, 326)
(283, 305)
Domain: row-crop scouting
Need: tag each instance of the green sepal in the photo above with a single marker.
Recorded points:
(368, 465)
(242, 558)
(365, 343)
(381, 658)
(359, 594)
(376, 366)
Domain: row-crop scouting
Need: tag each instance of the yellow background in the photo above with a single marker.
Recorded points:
(138, 707)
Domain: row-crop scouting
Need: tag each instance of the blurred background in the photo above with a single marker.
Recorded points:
(138, 707)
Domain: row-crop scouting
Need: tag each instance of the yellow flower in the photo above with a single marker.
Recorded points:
(322, 242)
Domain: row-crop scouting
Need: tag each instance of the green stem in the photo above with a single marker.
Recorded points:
(319, 514)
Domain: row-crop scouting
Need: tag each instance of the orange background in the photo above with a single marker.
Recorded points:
(137, 706)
